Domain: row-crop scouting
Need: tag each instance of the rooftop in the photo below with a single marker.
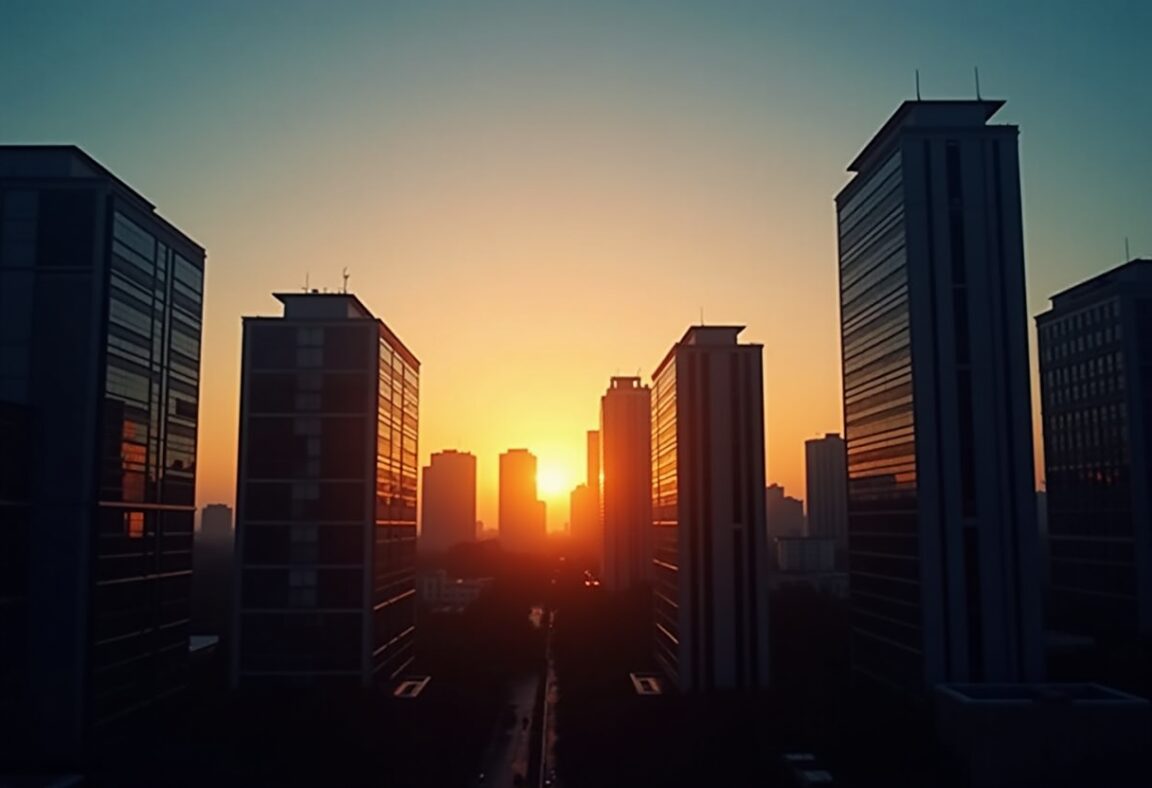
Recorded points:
(926, 113)
(699, 336)
(40, 162)
(1137, 271)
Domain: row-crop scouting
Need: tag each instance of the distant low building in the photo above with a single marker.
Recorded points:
(808, 561)
(784, 514)
(451, 594)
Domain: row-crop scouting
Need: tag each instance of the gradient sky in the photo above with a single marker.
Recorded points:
(538, 195)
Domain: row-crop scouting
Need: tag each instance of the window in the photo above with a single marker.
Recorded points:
(134, 525)
(302, 587)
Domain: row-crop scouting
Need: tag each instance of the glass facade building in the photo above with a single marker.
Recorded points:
(101, 304)
(709, 540)
(942, 536)
(326, 497)
(1096, 393)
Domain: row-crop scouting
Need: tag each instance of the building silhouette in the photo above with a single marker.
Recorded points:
(709, 564)
(326, 497)
(582, 517)
(216, 523)
(826, 476)
(626, 495)
(593, 536)
(784, 514)
(1096, 392)
(212, 565)
(943, 544)
(523, 526)
(449, 496)
(100, 324)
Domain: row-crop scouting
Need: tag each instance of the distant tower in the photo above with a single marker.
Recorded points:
(709, 561)
(326, 497)
(449, 496)
(626, 451)
(594, 539)
(943, 547)
(1096, 386)
(522, 516)
(827, 490)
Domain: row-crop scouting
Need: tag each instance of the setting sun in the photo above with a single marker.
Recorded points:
(552, 481)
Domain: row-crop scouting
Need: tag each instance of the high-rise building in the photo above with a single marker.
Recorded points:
(943, 547)
(588, 532)
(1096, 389)
(522, 517)
(100, 322)
(826, 475)
(326, 497)
(710, 554)
(625, 440)
(449, 511)
(784, 514)
(582, 517)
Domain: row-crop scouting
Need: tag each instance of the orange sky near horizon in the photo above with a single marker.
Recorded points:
(538, 196)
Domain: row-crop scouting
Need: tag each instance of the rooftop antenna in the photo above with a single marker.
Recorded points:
(345, 281)
(1127, 251)
(305, 281)
(917, 84)
(976, 72)
(701, 316)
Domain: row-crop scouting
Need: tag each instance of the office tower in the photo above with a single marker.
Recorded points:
(522, 516)
(826, 474)
(326, 497)
(784, 514)
(100, 310)
(709, 560)
(1096, 389)
(626, 495)
(582, 517)
(212, 559)
(942, 535)
(594, 481)
(449, 513)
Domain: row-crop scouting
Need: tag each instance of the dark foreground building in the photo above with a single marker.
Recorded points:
(326, 497)
(1096, 389)
(942, 535)
(100, 324)
(709, 545)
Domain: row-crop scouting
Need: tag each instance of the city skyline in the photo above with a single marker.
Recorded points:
(705, 131)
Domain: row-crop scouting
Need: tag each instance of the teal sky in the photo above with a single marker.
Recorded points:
(538, 195)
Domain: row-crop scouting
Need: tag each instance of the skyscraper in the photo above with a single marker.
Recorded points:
(709, 563)
(943, 546)
(594, 538)
(626, 511)
(522, 517)
(1096, 390)
(826, 473)
(582, 517)
(100, 320)
(449, 512)
(326, 497)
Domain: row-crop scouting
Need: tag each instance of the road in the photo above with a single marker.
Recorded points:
(508, 752)
(548, 714)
